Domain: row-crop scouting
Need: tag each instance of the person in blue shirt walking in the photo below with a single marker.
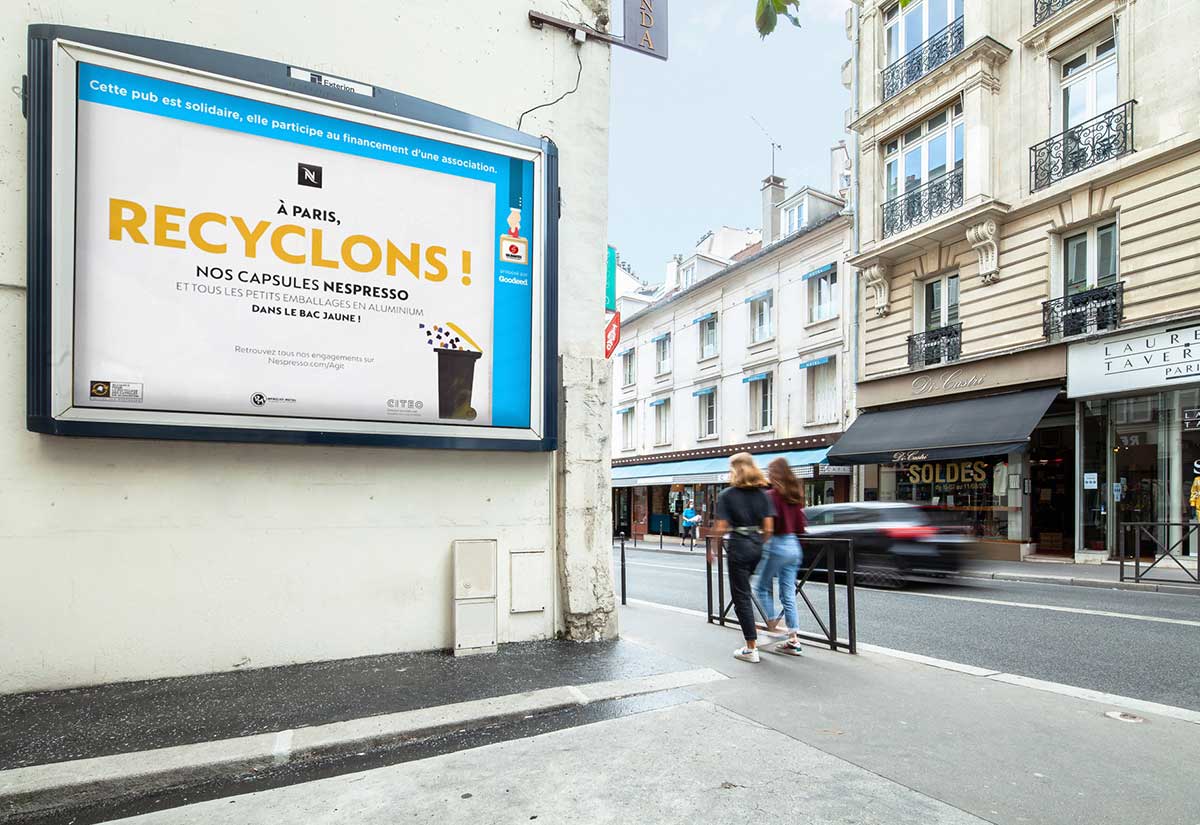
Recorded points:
(690, 521)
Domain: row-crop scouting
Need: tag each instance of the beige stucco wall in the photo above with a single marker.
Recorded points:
(126, 559)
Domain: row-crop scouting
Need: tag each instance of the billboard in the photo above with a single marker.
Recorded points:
(301, 261)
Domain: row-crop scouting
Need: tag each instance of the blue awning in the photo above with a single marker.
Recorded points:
(658, 402)
(623, 410)
(658, 338)
(820, 271)
(626, 351)
(704, 470)
(759, 296)
(762, 376)
(816, 362)
(705, 391)
(704, 317)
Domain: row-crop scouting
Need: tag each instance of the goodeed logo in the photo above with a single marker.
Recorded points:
(99, 389)
(308, 175)
(258, 399)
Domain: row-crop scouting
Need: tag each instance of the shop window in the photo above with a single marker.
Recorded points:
(823, 407)
(662, 422)
(708, 338)
(762, 404)
(707, 403)
(628, 433)
(823, 295)
(762, 327)
(662, 355)
(629, 368)
(970, 493)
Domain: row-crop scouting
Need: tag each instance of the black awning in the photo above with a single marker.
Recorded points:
(970, 428)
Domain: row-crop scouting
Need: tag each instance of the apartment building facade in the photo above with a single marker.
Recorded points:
(746, 352)
(1028, 202)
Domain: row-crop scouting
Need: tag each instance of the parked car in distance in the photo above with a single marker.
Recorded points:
(894, 542)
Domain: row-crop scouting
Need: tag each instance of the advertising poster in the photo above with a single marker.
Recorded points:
(240, 257)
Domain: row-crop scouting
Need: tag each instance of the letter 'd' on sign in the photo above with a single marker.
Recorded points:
(646, 26)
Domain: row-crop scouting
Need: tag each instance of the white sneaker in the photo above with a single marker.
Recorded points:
(746, 654)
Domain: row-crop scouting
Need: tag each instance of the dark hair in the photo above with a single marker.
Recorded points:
(785, 482)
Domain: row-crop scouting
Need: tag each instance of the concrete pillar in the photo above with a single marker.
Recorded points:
(978, 162)
(584, 512)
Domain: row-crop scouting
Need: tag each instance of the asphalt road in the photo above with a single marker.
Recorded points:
(1116, 641)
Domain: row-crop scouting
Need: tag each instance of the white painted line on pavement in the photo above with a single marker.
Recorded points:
(957, 667)
(663, 566)
(1126, 702)
(1111, 699)
(1053, 608)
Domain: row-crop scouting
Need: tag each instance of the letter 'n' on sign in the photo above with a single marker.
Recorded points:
(646, 26)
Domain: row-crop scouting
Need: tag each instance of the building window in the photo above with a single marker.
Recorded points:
(924, 153)
(823, 294)
(794, 218)
(662, 355)
(906, 29)
(708, 337)
(688, 275)
(1089, 83)
(662, 422)
(1090, 259)
(707, 402)
(628, 433)
(762, 403)
(628, 368)
(822, 391)
(940, 304)
(761, 326)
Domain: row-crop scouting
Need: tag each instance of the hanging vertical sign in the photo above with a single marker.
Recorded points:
(610, 281)
(646, 26)
(612, 335)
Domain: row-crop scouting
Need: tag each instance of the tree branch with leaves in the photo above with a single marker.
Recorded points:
(767, 15)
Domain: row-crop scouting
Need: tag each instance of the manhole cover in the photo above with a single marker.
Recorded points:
(1122, 716)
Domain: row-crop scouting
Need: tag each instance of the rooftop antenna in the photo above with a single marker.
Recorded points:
(774, 145)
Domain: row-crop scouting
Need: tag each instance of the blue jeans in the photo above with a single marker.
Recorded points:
(780, 562)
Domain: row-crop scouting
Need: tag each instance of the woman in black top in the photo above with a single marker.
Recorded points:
(746, 514)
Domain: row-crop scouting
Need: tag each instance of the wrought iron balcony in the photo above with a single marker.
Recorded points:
(1092, 142)
(923, 59)
(937, 346)
(1096, 310)
(939, 196)
(1043, 10)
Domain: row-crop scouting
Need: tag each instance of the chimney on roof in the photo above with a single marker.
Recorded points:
(773, 193)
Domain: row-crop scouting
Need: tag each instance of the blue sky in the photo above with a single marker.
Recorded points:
(685, 155)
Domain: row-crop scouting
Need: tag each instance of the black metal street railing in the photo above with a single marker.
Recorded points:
(1043, 10)
(1103, 138)
(939, 196)
(935, 346)
(1165, 540)
(830, 555)
(1096, 310)
(923, 59)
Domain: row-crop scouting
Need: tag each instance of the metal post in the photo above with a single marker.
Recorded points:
(708, 571)
(850, 597)
(1121, 546)
(660, 546)
(623, 601)
(831, 578)
(721, 578)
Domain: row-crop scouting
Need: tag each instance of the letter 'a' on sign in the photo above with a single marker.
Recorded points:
(354, 266)
(646, 26)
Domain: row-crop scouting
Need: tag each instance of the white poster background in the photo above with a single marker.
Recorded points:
(139, 320)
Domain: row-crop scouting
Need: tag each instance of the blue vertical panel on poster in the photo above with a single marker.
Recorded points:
(513, 300)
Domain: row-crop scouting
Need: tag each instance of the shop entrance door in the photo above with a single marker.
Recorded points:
(1052, 496)
(1139, 490)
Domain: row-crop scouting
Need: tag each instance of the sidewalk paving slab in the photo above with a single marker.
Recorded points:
(1004, 752)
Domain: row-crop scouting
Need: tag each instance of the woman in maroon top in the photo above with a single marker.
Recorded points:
(781, 561)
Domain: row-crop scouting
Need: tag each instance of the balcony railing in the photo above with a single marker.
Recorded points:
(923, 59)
(1096, 310)
(1043, 10)
(939, 196)
(937, 346)
(1092, 142)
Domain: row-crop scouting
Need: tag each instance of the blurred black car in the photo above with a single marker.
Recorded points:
(894, 542)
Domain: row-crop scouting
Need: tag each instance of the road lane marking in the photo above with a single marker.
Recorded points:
(1051, 607)
(1071, 691)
